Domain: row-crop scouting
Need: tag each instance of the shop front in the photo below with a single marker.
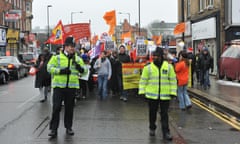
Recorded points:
(205, 34)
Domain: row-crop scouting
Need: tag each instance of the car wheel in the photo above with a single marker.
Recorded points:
(17, 77)
(3, 79)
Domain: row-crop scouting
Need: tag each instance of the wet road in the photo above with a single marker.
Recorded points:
(25, 121)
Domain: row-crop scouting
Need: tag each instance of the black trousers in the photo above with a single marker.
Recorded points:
(67, 95)
(83, 87)
(153, 109)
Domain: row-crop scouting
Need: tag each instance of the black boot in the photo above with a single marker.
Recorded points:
(69, 132)
(53, 133)
(167, 136)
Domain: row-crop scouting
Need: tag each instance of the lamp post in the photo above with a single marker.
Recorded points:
(182, 13)
(128, 16)
(72, 15)
(139, 28)
(48, 6)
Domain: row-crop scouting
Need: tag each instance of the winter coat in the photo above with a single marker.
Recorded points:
(182, 72)
(205, 62)
(43, 77)
(122, 58)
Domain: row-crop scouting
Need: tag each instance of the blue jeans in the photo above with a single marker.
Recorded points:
(183, 97)
(205, 78)
(102, 86)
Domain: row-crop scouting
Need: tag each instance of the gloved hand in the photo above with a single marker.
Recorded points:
(173, 96)
(79, 68)
(141, 95)
(65, 71)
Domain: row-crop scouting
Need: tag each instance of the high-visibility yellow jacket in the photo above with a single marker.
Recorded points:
(158, 83)
(58, 62)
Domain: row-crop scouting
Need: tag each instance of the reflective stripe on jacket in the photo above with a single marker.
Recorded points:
(59, 62)
(158, 83)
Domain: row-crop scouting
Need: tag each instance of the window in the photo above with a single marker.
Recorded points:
(20, 4)
(209, 2)
(201, 5)
(28, 6)
(188, 8)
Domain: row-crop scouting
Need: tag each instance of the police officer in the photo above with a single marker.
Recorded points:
(158, 83)
(64, 68)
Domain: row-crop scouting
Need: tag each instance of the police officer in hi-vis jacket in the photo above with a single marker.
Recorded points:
(158, 83)
(64, 68)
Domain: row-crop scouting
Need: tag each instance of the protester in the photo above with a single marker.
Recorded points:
(84, 78)
(205, 63)
(158, 83)
(113, 84)
(182, 72)
(104, 71)
(64, 68)
(43, 78)
(123, 57)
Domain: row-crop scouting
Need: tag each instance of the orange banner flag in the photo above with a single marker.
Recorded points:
(126, 35)
(157, 39)
(179, 28)
(58, 34)
(110, 18)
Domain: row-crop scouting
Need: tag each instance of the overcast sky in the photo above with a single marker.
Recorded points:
(94, 10)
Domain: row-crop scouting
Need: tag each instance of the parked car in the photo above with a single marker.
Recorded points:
(4, 75)
(27, 58)
(15, 68)
(229, 63)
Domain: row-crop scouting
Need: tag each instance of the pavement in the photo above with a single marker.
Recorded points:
(223, 94)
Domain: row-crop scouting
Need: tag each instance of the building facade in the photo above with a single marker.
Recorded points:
(210, 23)
(125, 27)
(15, 21)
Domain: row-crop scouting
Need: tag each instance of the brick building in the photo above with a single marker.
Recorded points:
(15, 24)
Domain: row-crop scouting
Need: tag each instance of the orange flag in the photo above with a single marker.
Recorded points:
(157, 39)
(110, 18)
(126, 35)
(179, 28)
(57, 36)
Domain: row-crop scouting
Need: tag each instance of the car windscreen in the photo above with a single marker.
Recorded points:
(27, 57)
(6, 60)
(232, 52)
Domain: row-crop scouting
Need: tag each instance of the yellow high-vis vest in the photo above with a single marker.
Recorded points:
(158, 83)
(58, 62)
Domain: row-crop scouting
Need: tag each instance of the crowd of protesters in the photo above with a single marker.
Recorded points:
(185, 66)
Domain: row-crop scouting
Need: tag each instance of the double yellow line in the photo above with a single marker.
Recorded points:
(227, 119)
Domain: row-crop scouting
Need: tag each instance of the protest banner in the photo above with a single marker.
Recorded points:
(131, 74)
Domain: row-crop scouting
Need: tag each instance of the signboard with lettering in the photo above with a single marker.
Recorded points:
(141, 49)
(3, 37)
(13, 15)
(109, 45)
(12, 36)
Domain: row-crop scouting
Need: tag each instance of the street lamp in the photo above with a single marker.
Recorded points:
(139, 23)
(72, 15)
(128, 16)
(48, 6)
